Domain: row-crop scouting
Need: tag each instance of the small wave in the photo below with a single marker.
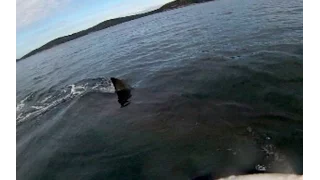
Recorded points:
(107, 89)
(45, 99)
(27, 110)
(78, 90)
(37, 107)
(21, 104)
(24, 116)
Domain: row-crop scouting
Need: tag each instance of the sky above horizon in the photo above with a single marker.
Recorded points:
(40, 21)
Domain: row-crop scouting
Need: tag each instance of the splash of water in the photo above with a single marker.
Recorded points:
(26, 109)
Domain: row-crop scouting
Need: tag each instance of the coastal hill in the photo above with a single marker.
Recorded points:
(111, 22)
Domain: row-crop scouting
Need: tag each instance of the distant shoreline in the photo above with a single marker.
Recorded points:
(109, 23)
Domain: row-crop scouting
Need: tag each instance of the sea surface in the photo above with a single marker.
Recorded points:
(217, 90)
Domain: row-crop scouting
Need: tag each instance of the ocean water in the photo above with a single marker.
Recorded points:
(217, 90)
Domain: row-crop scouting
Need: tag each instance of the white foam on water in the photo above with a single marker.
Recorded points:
(37, 107)
(264, 176)
(39, 110)
(105, 88)
(21, 104)
(46, 99)
(269, 149)
(261, 167)
(109, 89)
(45, 105)
(77, 90)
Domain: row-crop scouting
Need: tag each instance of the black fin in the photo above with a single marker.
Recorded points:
(123, 91)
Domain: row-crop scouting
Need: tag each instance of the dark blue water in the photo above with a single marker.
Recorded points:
(217, 90)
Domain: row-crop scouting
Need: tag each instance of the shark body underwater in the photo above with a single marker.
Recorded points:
(123, 91)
